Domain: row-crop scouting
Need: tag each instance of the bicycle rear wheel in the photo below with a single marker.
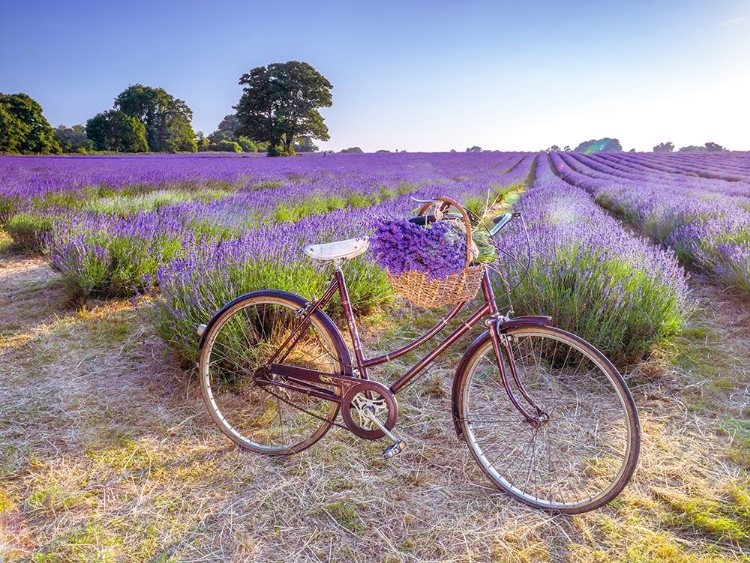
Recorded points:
(259, 416)
(584, 454)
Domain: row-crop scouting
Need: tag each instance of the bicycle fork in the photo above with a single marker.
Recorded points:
(501, 339)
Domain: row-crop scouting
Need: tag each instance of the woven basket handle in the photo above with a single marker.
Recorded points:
(445, 204)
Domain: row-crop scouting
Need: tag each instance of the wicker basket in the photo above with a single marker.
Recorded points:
(418, 289)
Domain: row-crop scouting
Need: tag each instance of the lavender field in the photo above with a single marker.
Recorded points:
(110, 263)
(199, 230)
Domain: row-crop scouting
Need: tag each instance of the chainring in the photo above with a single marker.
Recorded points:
(372, 395)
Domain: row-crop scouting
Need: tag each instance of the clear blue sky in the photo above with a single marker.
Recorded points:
(409, 75)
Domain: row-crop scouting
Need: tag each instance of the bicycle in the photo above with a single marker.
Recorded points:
(546, 416)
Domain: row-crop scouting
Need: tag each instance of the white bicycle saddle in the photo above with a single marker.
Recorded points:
(339, 250)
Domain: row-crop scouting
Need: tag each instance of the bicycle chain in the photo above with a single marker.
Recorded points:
(331, 422)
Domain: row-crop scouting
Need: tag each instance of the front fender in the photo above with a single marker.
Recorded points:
(473, 349)
(324, 319)
(530, 320)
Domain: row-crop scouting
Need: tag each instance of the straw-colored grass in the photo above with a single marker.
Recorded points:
(108, 455)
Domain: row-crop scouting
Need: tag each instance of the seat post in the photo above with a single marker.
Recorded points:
(350, 320)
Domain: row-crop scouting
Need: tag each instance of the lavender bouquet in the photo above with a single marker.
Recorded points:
(400, 246)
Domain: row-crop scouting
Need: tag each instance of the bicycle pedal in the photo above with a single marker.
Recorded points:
(394, 449)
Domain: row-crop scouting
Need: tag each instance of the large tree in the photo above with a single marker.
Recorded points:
(23, 127)
(113, 130)
(166, 118)
(280, 103)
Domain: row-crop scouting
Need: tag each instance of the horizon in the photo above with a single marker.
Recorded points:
(420, 78)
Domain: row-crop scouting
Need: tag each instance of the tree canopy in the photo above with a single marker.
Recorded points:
(708, 147)
(73, 139)
(166, 118)
(229, 127)
(280, 103)
(664, 147)
(714, 147)
(23, 127)
(599, 145)
(227, 137)
(113, 130)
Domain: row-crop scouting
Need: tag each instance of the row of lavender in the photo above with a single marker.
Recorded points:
(706, 221)
(594, 278)
(731, 166)
(30, 177)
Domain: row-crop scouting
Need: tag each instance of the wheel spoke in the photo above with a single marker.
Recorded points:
(583, 454)
(265, 418)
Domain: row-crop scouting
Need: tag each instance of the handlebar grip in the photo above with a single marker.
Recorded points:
(499, 218)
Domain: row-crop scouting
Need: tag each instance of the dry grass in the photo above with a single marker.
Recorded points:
(107, 455)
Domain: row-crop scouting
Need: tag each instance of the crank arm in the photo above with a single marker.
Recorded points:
(398, 444)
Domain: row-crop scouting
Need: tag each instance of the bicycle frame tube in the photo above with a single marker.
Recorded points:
(297, 333)
(488, 308)
(341, 284)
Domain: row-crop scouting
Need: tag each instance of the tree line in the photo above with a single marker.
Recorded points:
(277, 113)
(613, 145)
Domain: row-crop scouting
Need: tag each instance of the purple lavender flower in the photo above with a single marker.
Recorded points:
(401, 246)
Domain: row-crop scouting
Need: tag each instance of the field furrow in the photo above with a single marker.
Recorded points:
(707, 227)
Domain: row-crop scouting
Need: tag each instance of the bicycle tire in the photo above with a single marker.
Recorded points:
(583, 455)
(264, 418)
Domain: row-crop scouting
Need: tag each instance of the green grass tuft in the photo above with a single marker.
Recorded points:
(30, 230)
(724, 520)
(346, 515)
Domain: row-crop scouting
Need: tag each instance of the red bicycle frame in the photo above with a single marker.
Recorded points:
(488, 310)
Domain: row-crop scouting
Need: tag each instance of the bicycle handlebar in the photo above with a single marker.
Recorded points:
(500, 221)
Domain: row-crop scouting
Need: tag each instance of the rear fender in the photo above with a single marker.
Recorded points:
(325, 320)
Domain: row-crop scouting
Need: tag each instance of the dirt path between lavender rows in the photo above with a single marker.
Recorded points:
(106, 454)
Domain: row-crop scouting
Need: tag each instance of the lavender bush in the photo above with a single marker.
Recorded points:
(592, 277)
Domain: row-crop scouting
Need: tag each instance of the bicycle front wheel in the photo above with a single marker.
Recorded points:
(259, 416)
(583, 453)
